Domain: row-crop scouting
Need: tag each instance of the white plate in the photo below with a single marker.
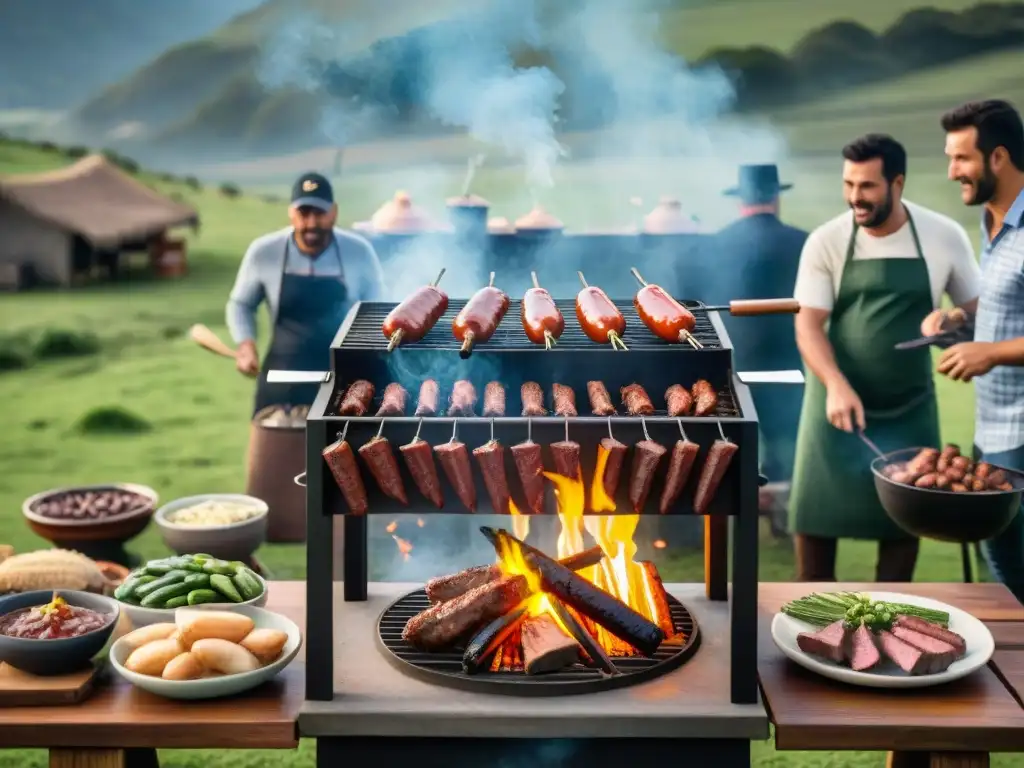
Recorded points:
(980, 647)
(216, 687)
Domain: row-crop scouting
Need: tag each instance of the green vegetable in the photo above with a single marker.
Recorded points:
(177, 602)
(218, 567)
(248, 585)
(160, 567)
(200, 596)
(198, 580)
(169, 578)
(157, 598)
(822, 609)
(226, 587)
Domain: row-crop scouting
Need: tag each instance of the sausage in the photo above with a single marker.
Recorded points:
(494, 399)
(419, 460)
(926, 481)
(542, 321)
(393, 401)
(564, 400)
(429, 398)
(955, 475)
(958, 488)
(342, 463)
(678, 400)
(565, 455)
(950, 451)
(613, 464)
(381, 460)
(533, 399)
(463, 399)
(705, 398)
(663, 315)
(357, 399)
(600, 400)
(491, 458)
(598, 316)
(416, 315)
(715, 465)
(646, 456)
(995, 478)
(454, 460)
(680, 465)
(479, 319)
(942, 482)
(530, 468)
(960, 462)
(978, 485)
(983, 470)
(441, 625)
(636, 400)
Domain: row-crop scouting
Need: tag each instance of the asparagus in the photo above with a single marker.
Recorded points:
(822, 609)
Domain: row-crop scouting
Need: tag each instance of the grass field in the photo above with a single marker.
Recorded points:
(198, 407)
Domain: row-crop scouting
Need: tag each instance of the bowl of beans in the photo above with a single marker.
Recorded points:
(229, 526)
(74, 516)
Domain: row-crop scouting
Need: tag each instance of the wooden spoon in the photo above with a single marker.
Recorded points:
(207, 339)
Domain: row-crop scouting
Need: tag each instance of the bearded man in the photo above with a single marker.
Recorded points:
(866, 280)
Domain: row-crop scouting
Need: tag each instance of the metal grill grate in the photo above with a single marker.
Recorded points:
(445, 668)
(365, 331)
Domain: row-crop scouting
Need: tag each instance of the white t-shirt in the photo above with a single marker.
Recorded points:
(945, 245)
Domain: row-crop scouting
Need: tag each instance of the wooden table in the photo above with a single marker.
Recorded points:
(950, 726)
(120, 726)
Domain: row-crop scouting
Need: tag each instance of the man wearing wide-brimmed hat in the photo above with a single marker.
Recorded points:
(756, 257)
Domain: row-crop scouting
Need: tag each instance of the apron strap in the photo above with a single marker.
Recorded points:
(312, 262)
(852, 242)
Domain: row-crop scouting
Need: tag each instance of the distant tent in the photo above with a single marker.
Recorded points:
(57, 224)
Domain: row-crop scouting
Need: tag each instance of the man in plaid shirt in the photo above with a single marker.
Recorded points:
(985, 146)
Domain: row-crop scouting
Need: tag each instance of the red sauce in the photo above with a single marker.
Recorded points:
(52, 621)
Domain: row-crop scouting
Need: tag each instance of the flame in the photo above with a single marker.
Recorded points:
(420, 522)
(392, 526)
(520, 522)
(403, 546)
(660, 543)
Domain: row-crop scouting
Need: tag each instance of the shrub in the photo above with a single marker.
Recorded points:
(230, 190)
(15, 353)
(76, 151)
(111, 420)
(193, 183)
(56, 343)
(122, 162)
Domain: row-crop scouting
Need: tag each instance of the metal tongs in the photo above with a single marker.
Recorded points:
(957, 328)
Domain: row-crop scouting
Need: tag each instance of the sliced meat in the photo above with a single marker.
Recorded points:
(565, 455)
(646, 456)
(491, 458)
(942, 654)
(419, 460)
(444, 588)
(429, 398)
(533, 399)
(600, 400)
(454, 460)
(862, 652)
(357, 399)
(381, 460)
(678, 400)
(393, 401)
(680, 466)
(711, 474)
(828, 643)
(636, 400)
(564, 400)
(705, 398)
(613, 465)
(494, 399)
(463, 399)
(911, 660)
(933, 630)
(443, 624)
(342, 463)
(530, 468)
(546, 648)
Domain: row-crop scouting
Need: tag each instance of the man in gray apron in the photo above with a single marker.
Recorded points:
(308, 274)
(865, 283)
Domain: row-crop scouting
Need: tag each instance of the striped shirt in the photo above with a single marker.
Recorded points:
(999, 394)
(351, 259)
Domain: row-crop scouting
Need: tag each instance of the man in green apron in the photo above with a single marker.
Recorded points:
(866, 281)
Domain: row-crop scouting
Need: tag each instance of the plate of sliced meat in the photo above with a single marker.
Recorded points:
(882, 639)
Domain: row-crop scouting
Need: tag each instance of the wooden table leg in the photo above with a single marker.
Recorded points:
(937, 760)
(104, 758)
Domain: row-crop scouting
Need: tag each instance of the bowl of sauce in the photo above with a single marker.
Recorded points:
(55, 632)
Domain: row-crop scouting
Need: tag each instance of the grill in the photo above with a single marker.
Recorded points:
(360, 351)
(446, 668)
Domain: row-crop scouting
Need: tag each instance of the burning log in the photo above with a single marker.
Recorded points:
(443, 588)
(590, 646)
(546, 648)
(481, 649)
(443, 624)
(584, 597)
(662, 610)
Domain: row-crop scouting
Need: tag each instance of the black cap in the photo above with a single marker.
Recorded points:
(758, 184)
(313, 190)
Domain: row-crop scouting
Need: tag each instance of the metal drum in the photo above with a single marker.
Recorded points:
(277, 453)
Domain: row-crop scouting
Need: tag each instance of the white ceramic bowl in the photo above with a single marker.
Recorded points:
(216, 687)
(235, 541)
(141, 617)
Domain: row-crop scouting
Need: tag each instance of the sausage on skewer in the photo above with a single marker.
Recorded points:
(419, 460)
(491, 458)
(358, 399)
(342, 463)
(381, 460)
(636, 400)
(533, 399)
(564, 400)
(715, 465)
(598, 316)
(416, 315)
(542, 321)
(454, 460)
(678, 400)
(429, 398)
(393, 401)
(705, 398)
(610, 456)
(647, 455)
(663, 315)
(463, 399)
(680, 466)
(600, 400)
(494, 399)
(479, 319)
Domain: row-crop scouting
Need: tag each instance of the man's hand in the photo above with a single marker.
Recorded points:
(932, 324)
(843, 407)
(248, 359)
(962, 362)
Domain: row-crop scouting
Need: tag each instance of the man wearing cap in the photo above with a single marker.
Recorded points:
(308, 274)
(867, 279)
(764, 254)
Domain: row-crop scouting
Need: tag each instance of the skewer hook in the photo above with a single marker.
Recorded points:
(638, 276)
(396, 339)
(490, 283)
(438, 278)
(582, 279)
(455, 430)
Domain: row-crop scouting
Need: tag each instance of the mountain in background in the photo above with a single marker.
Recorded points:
(55, 54)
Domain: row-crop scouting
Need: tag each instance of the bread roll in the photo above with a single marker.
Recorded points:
(143, 635)
(151, 658)
(216, 625)
(184, 666)
(224, 656)
(265, 644)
